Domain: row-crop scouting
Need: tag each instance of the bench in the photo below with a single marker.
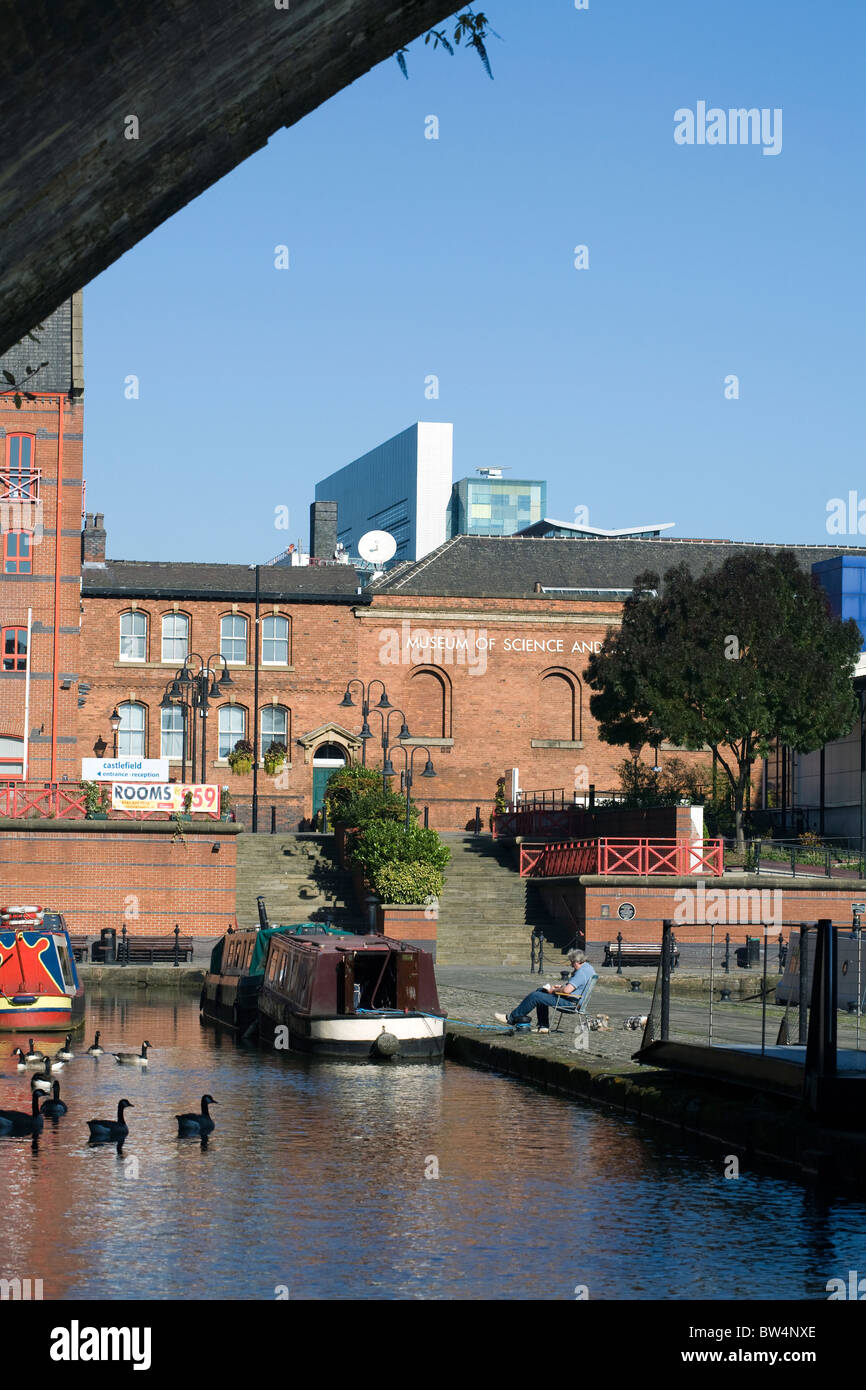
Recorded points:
(638, 953)
(79, 946)
(154, 948)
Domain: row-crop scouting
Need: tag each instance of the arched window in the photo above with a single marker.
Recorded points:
(233, 639)
(16, 552)
(274, 726)
(132, 734)
(560, 705)
(428, 712)
(175, 637)
(11, 758)
(14, 641)
(21, 481)
(232, 726)
(133, 636)
(275, 641)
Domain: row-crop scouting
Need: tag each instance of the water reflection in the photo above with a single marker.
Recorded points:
(316, 1177)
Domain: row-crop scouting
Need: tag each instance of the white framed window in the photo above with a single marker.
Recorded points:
(175, 638)
(131, 736)
(233, 639)
(133, 637)
(275, 641)
(274, 726)
(232, 726)
(171, 733)
(11, 757)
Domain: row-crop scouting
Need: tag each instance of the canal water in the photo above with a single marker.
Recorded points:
(320, 1181)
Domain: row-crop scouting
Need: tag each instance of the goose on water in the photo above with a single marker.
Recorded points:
(94, 1049)
(5, 1125)
(41, 1080)
(55, 1106)
(65, 1053)
(133, 1059)
(31, 1056)
(111, 1129)
(22, 1123)
(197, 1124)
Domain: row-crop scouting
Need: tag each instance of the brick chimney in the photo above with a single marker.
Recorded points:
(93, 539)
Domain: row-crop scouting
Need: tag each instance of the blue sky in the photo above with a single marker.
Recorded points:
(455, 257)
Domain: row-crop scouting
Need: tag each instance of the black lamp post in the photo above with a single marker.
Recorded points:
(348, 703)
(387, 766)
(408, 776)
(114, 721)
(193, 690)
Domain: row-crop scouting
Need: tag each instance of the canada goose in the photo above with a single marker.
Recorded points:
(197, 1124)
(133, 1059)
(22, 1065)
(31, 1056)
(94, 1049)
(5, 1125)
(41, 1080)
(55, 1106)
(111, 1129)
(22, 1123)
(66, 1054)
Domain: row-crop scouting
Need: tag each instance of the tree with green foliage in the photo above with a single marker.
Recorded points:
(471, 28)
(732, 660)
(402, 866)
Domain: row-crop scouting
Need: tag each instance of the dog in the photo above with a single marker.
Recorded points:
(634, 1022)
(600, 1024)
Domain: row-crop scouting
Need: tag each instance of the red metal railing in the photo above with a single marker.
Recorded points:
(57, 801)
(647, 857)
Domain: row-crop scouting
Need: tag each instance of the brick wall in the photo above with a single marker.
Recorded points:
(653, 902)
(147, 880)
(52, 592)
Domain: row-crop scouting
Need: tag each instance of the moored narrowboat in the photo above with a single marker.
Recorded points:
(40, 991)
(369, 998)
(230, 992)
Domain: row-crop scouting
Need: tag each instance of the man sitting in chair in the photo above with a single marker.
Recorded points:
(543, 999)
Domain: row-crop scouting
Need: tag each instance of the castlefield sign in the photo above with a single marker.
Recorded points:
(128, 769)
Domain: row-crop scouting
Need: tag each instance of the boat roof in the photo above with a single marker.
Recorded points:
(371, 942)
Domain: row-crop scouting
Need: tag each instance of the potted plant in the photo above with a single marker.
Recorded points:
(275, 756)
(240, 759)
(226, 812)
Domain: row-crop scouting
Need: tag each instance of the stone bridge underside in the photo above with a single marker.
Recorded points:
(209, 83)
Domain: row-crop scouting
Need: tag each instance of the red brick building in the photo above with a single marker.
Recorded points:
(41, 445)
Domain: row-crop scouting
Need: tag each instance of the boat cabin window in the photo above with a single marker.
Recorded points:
(65, 965)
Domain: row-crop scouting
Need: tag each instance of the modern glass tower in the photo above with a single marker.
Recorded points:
(492, 505)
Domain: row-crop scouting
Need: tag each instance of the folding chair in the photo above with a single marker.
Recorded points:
(571, 1003)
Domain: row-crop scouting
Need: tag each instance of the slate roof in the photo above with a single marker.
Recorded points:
(511, 566)
(228, 583)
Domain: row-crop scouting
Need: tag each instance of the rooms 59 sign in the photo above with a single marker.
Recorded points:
(165, 796)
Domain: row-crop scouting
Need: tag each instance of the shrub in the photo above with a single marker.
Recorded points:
(374, 806)
(384, 842)
(410, 883)
(347, 785)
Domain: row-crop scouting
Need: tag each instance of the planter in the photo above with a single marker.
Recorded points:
(241, 766)
(417, 925)
(97, 815)
(340, 836)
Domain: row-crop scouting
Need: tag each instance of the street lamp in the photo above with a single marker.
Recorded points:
(114, 721)
(193, 690)
(348, 703)
(387, 766)
(408, 776)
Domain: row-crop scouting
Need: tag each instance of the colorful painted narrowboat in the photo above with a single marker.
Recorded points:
(40, 991)
(369, 998)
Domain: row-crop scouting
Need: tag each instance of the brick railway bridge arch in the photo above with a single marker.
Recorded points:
(207, 86)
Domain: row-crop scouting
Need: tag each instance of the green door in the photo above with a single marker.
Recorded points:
(321, 778)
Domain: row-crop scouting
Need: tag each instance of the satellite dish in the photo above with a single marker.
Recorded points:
(377, 547)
